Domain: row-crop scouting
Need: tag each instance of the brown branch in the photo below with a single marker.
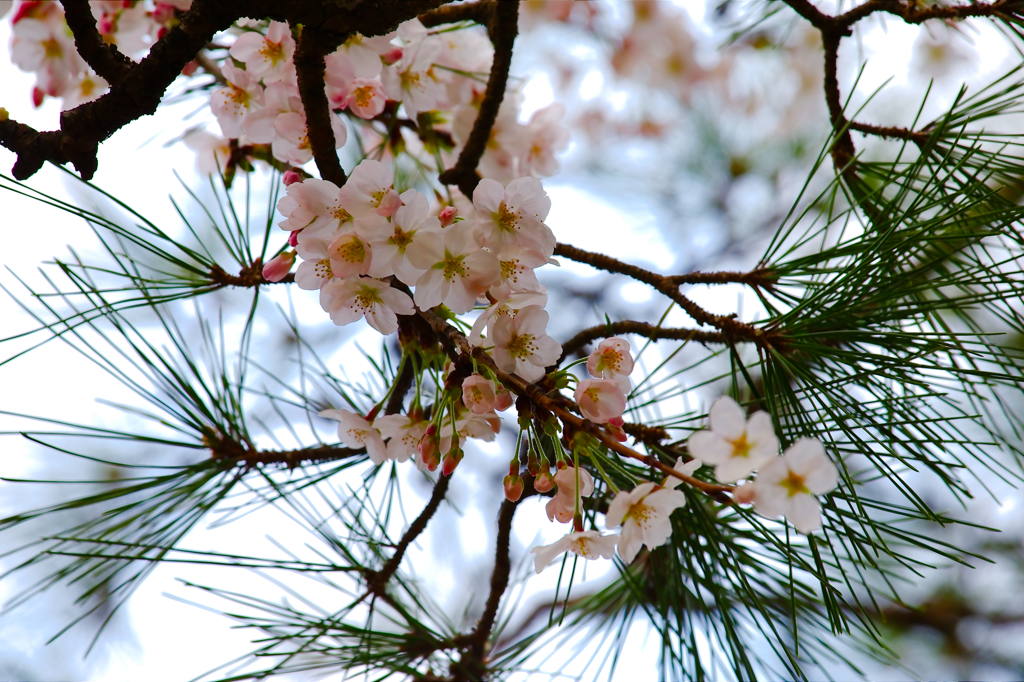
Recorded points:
(650, 331)
(733, 329)
(556, 406)
(376, 581)
(918, 137)
(229, 449)
(106, 60)
(913, 14)
(310, 68)
(503, 27)
(480, 12)
(758, 277)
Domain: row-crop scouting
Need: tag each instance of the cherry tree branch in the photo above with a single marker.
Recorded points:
(480, 12)
(584, 337)
(503, 27)
(105, 59)
(311, 68)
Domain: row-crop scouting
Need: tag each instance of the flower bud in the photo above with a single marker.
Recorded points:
(544, 482)
(502, 398)
(513, 488)
(428, 449)
(392, 56)
(447, 215)
(451, 460)
(293, 238)
(278, 267)
(744, 494)
(291, 177)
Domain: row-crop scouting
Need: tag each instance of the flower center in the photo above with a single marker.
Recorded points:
(367, 298)
(322, 269)
(352, 251)
(341, 214)
(610, 359)
(401, 239)
(272, 52)
(521, 346)
(52, 49)
(410, 80)
(794, 484)
(507, 220)
(364, 96)
(510, 270)
(453, 266)
(740, 446)
(377, 197)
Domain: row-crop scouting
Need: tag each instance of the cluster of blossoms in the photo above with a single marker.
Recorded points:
(41, 43)
(736, 446)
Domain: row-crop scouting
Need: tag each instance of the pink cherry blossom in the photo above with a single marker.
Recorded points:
(349, 299)
(268, 57)
(313, 204)
(42, 46)
(365, 97)
(369, 191)
(315, 270)
(545, 137)
(600, 399)
(506, 305)
(512, 218)
(412, 79)
(561, 507)
(404, 433)
(235, 101)
(279, 98)
(213, 153)
(355, 432)
(456, 270)
(610, 358)
(735, 445)
(395, 241)
(521, 343)
(478, 394)
(350, 255)
(589, 544)
(291, 141)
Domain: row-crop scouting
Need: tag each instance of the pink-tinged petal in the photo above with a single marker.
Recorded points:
(617, 510)
(397, 300)
(547, 554)
(429, 251)
(709, 447)
(804, 513)
(773, 473)
(532, 320)
(733, 469)
(488, 195)
(375, 448)
(383, 319)
(529, 373)
(630, 543)
(431, 289)
(560, 508)
(246, 46)
(461, 296)
(548, 352)
(761, 431)
(727, 418)
(769, 500)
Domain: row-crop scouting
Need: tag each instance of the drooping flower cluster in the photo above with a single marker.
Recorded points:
(602, 399)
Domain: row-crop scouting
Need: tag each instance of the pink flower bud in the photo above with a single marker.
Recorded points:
(447, 215)
(392, 56)
(451, 460)
(502, 398)
(105, 25)
(513, 488)
(189, 68)
(290, 177)
(279, 266)
(744, 494)
(428, 449)
(163, 13)
(293, 238)
(544, 482)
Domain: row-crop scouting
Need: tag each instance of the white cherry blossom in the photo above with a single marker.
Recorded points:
(644, 513)
(369, 192)
(737, 446)
(562, 505)
(522, 345)
(600, 399)
(478, 394)
(355, 432)
(393, 242)
(456, 271)
(589, 544)
(350, 255)
(512, 218)
(788, 485)
(404, 432)
(233, 103)
(349, 299)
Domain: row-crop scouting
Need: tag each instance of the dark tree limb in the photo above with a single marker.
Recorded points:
(480, 12)
(503, 27)
(310, 66)
(106, 60)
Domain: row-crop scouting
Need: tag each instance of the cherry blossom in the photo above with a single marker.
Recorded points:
(42, 46)
(545, 137)
(412, 80)
(644, 513)
(456, 270)
(369, 192)
(393, 242)
(349, 299)
(521, 343)
(213, 153)
(315, 271)
(736, 445)
(404, 432)
(350, 255)
(506, 305)
(562, 506)
(478, 394)
(512, 218)
(267, 57)
(278, 99)
(277, 268)
(232, 104)
(313, 204)
(589, 544)
(600, 399)
(787, 485)
(356, 432)
(610, 359)
(291, 140)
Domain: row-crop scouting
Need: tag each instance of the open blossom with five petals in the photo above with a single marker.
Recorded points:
(506, 305)
(404, 432)
(355, 432)
(561, 507)
(241, 96)
(600, 399)
(313, 205)
(350, 255)
(456, 270)
(512, 218)
(522, 345)
(349, 299)
(589, 544)
(787, 485)
(369, 192)
(737, 446)
(478, 394)
(268, 57)
(611, 358)
(644, 513)
(395, 241)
